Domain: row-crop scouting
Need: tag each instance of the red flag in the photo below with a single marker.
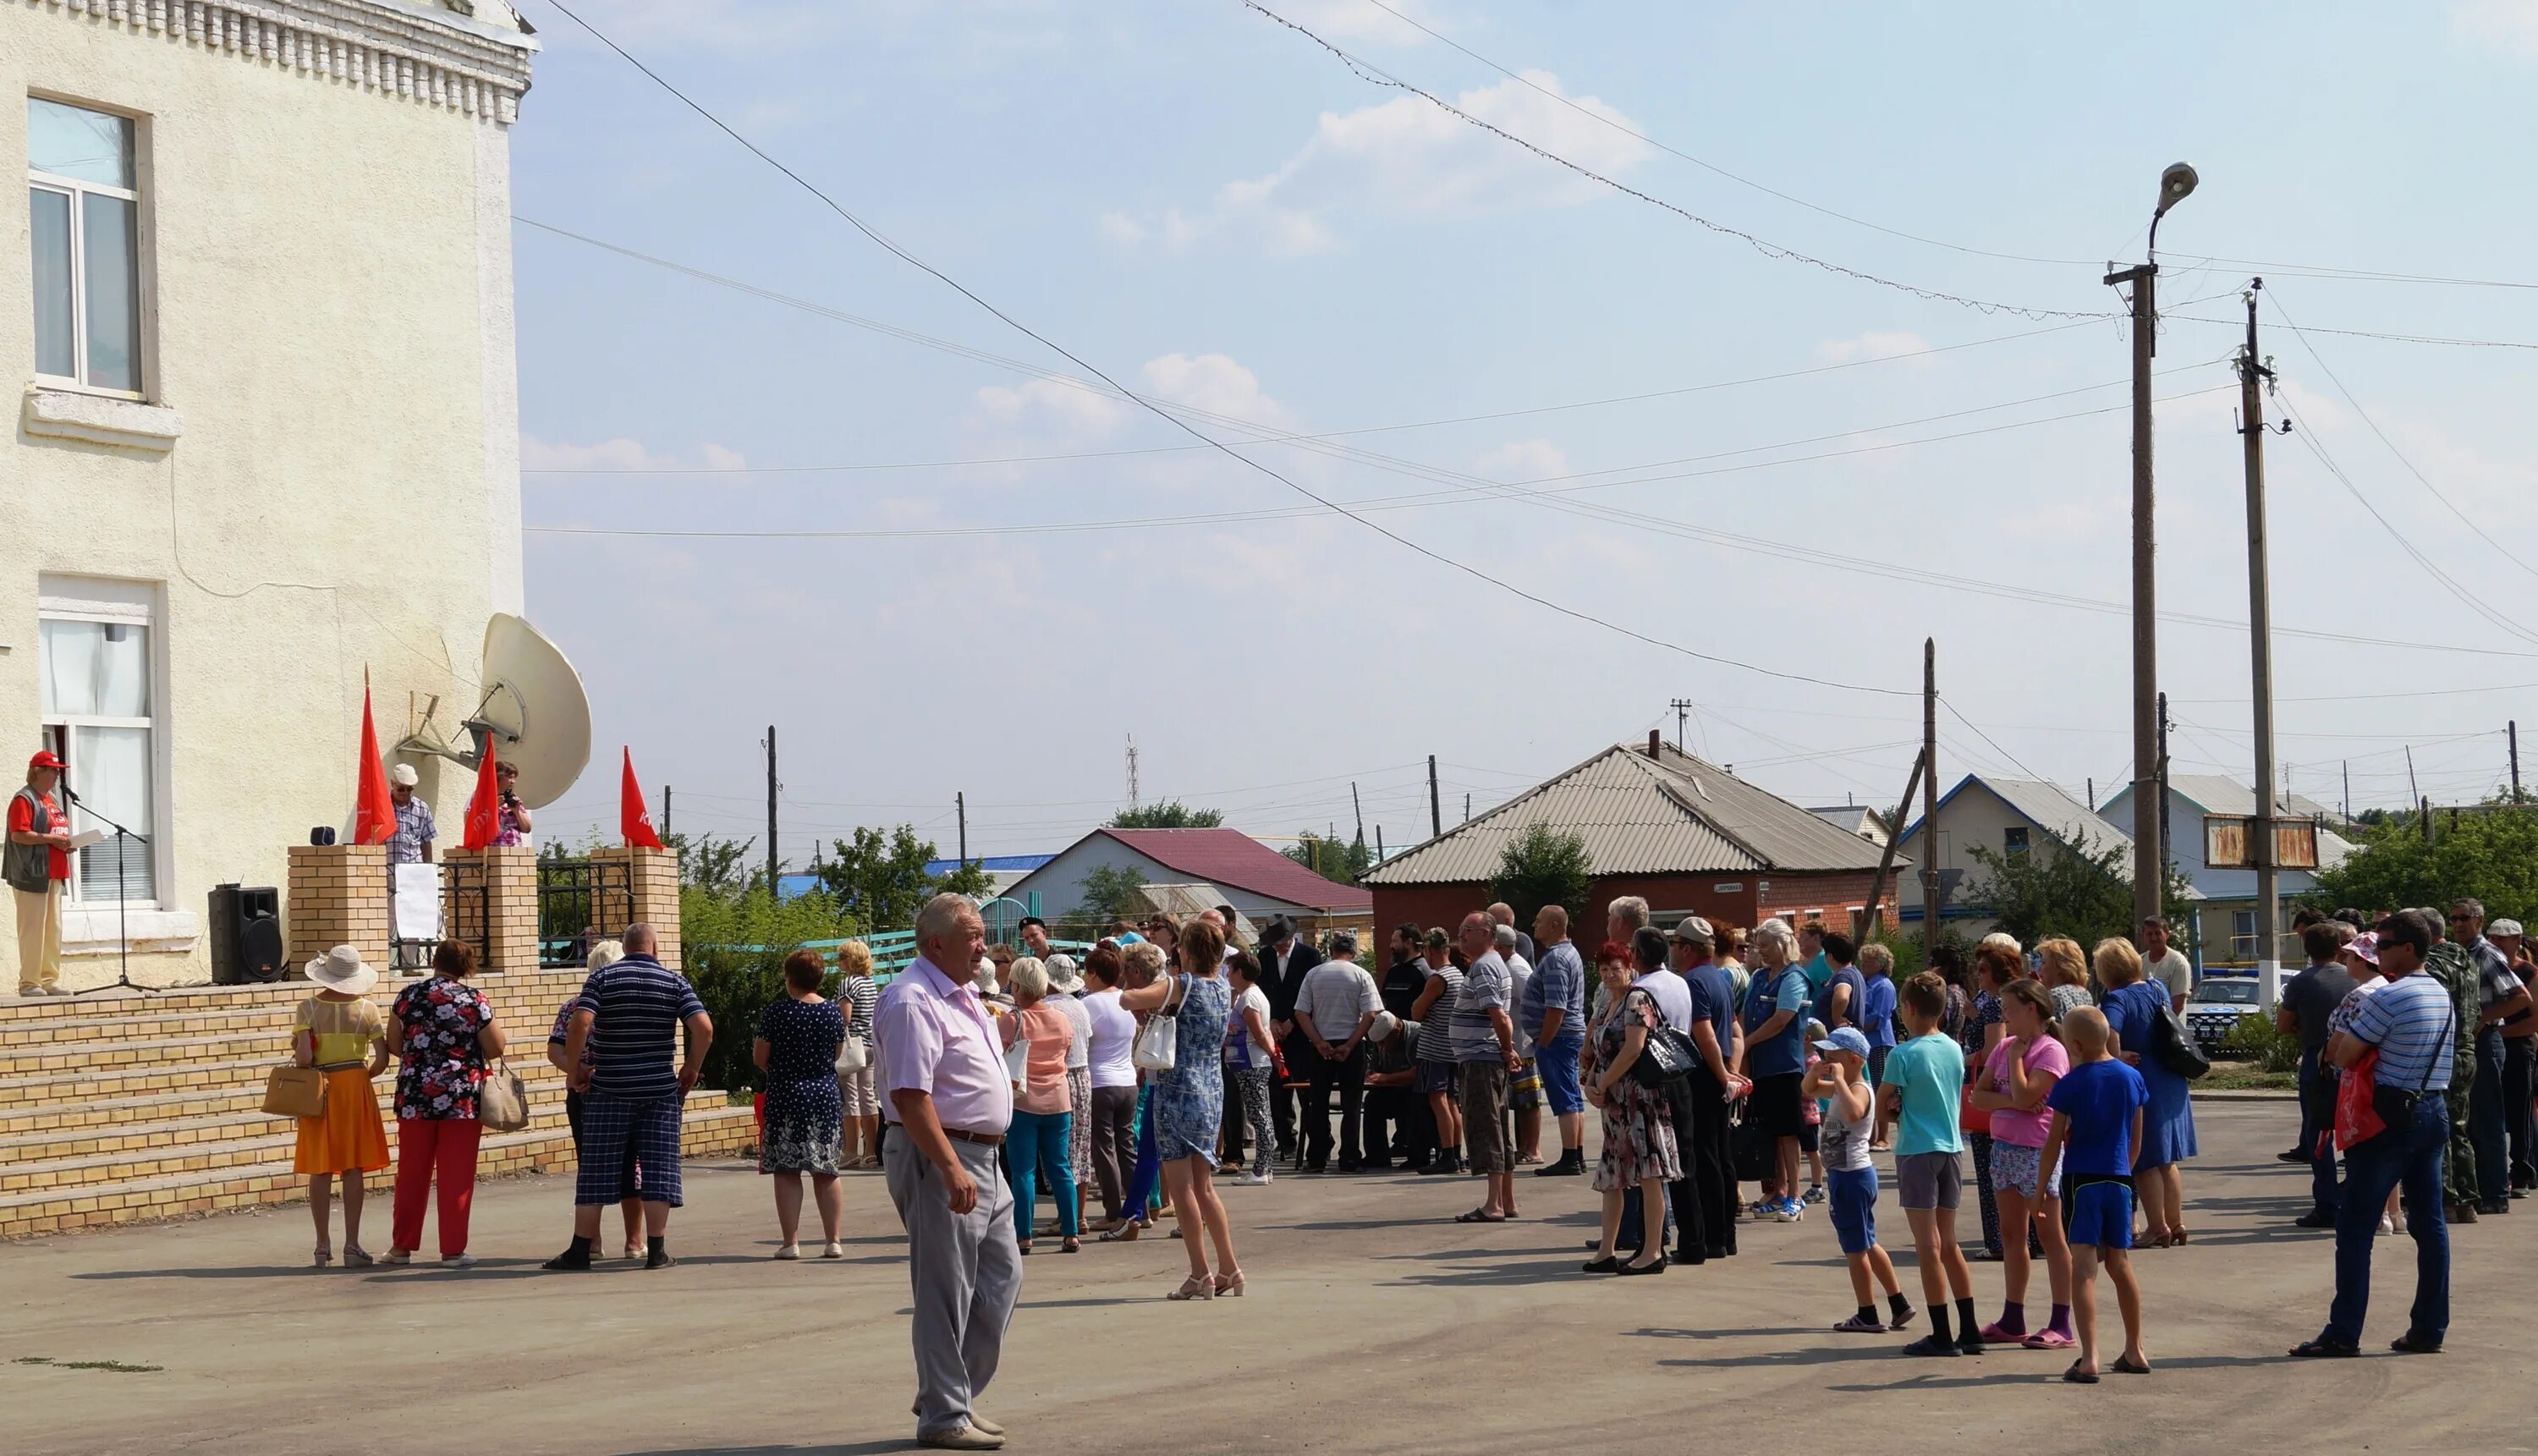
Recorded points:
(485, 806)
(635, 817)
(375, 820)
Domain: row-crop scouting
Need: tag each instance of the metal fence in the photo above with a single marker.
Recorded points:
(581, 901)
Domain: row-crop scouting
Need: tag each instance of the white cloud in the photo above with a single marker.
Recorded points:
(1871, 345)
(1046, 405)
(1405, 159)
(1216, 383)
(1522, 460)
(621, 453)
(2511, 24)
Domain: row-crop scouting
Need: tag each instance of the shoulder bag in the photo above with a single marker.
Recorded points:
(2172, 1040)
(2396, 1105)
(503, 1100)
(851, 1056)
(1159, 1040)
(296, 1092)
(1668, 1055)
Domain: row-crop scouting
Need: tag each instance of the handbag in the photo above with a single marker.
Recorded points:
(2357, 1120)
(851, 1056)
(2172, 1042)
(1667, 1056)
(296, 1092)
(1159, 1040)
(503, 1100)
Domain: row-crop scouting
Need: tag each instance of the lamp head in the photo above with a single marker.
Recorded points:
(2174, 185)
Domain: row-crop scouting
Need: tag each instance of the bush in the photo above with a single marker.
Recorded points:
(2255, 1039)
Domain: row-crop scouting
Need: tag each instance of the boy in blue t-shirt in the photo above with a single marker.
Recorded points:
(1924, 1077)
(2097, 1125)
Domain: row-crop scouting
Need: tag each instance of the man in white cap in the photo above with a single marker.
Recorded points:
(411, 844)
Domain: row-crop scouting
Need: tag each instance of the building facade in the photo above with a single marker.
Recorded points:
(2223, 935)
(260, 304)
(2004, 817)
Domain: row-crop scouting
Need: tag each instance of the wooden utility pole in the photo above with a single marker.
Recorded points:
(1359, 807)
(2512, 732)
(2253, 376)
(2167, 852)
(2414, 790)
(1435, 813)
(772, 863)
(1682, 707)
(1868, 923)
(2150, 807)
(1930, 799)
(665, 811)
(961, 807)
(2348, 788)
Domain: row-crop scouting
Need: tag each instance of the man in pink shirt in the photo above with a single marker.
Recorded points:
(945, 1086)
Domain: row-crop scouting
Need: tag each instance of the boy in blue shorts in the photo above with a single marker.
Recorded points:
(2097, 1125)
(1924, 1077)
(1852, 1178)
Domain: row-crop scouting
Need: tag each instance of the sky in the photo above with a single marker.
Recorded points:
(1836, 373)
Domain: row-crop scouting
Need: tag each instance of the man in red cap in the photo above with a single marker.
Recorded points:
(38, 864)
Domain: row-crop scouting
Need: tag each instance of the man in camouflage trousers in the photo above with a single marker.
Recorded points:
(2449, 964)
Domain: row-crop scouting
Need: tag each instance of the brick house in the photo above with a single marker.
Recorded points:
(1686, 836)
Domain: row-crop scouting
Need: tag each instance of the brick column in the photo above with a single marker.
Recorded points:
(338, 896)
(502, 921)
(654, 877)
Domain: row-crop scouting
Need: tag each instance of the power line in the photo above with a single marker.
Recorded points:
(1374, 75)
(2239, 324)
(860, 225)
(2464, 519)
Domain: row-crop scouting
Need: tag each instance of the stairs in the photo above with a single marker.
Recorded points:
(124, 1109)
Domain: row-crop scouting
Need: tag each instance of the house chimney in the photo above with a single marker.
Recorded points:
(1653, 743)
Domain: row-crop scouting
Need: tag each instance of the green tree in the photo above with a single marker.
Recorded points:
(717, 865)
(2081, 890)
(1543, 866)
(1106, 892)
(2489, 853)
(1330, 858)
(880, 878)
(1167, 814)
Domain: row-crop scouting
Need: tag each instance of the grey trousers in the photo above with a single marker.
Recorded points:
(963, 1271)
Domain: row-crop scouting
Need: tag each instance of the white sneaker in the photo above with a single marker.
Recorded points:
(1253, 1180)
(2387, 1228)
(458, 1261)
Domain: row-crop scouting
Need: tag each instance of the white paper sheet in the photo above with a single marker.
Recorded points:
(417, 904)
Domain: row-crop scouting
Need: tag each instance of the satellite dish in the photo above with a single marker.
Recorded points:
(533, 704)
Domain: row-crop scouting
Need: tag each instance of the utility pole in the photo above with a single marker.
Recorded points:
(1132, 771)
(665, 811)
(961, 807)
(2092, 796)
(2167, 852)
(1682, 707)
(2253, 376)
(1929, 798)
(2150, 812)
(772, 863)
(1379, 843)
(2348, 789)
(1436, 816)
(2414, 790)
(2511, 731)
(1467, 809)
(1869, 923)
(1358, 807)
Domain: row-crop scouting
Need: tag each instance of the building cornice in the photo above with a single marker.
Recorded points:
(434, 58)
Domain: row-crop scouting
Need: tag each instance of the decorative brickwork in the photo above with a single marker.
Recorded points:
(654, 877)
(488, 900)
(338, 896)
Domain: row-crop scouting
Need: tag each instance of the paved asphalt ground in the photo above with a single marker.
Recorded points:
(1373, 1325)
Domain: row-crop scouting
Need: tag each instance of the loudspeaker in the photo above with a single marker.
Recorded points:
(246, 934)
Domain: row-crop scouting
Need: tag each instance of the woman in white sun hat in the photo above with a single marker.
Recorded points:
(341, 1033)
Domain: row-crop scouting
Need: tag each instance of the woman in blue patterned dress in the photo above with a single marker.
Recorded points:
(1188, 1104)
(798, 1035)
(2134, 1008)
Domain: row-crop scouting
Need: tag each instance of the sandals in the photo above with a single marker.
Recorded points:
(1067, 1245)
(1125, 1232)
(1480, 1216)
(1229, 1285)
(356, 1257)
(2125, 1366)
(2323, 1350)
(2048, 1339)
(2411, 1344)
(1196, 1286)
(323, 1256)
(2078, 1376)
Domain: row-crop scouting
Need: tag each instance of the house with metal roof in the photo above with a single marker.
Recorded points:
(1858, 818)
(1685, 834)
(2227, 933)
(1256, 880)
(2005, 815)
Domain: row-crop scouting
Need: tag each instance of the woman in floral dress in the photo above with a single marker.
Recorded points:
(1638, 1128)
(798, 1036)
(445, 1035)
(1188, 1104)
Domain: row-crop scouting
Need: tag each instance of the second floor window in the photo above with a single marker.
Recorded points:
(2013, 840)
(83, 205)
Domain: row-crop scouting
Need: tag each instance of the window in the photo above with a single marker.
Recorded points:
(2243, 935)
(84, 213)
(98, 684)
(2013, 840)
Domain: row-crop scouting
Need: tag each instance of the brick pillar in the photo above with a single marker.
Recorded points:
(503, 920)
(338, 896)
(654, 877)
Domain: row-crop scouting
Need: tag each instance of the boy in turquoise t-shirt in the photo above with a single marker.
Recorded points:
(1924, 1077)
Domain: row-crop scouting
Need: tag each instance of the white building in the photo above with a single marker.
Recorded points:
(2225, 932)
(260, 307)
(2002, 817)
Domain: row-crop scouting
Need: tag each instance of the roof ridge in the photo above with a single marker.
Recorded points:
(1672, 783)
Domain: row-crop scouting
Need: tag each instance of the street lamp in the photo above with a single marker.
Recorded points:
(2149, 863)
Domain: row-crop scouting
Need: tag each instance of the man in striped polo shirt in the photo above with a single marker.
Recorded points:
(2410, 1025)
(629, 1016)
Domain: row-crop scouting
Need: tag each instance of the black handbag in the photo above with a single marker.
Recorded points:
(2172, 1042)
(1668, 1056)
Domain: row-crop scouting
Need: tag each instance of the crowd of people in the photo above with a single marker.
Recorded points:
(987, 1079)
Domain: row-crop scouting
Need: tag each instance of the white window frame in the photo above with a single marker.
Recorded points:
(130, 604)
(142, 290)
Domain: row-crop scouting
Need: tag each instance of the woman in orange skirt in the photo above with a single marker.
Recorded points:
(335, 1031)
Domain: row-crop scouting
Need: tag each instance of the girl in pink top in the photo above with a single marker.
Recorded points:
(1041, 1120)
(2019, 1072)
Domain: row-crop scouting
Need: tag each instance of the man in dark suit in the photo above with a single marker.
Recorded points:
(1285, 957)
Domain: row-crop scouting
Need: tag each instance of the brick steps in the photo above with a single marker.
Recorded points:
(720, 1132)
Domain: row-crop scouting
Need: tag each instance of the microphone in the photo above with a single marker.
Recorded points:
(71, 794)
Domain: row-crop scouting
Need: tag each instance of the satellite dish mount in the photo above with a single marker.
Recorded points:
(533, 702)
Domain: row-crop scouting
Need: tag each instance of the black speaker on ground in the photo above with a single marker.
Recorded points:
(246, 934)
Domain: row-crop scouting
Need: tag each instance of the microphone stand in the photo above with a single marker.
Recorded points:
(122, 898)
